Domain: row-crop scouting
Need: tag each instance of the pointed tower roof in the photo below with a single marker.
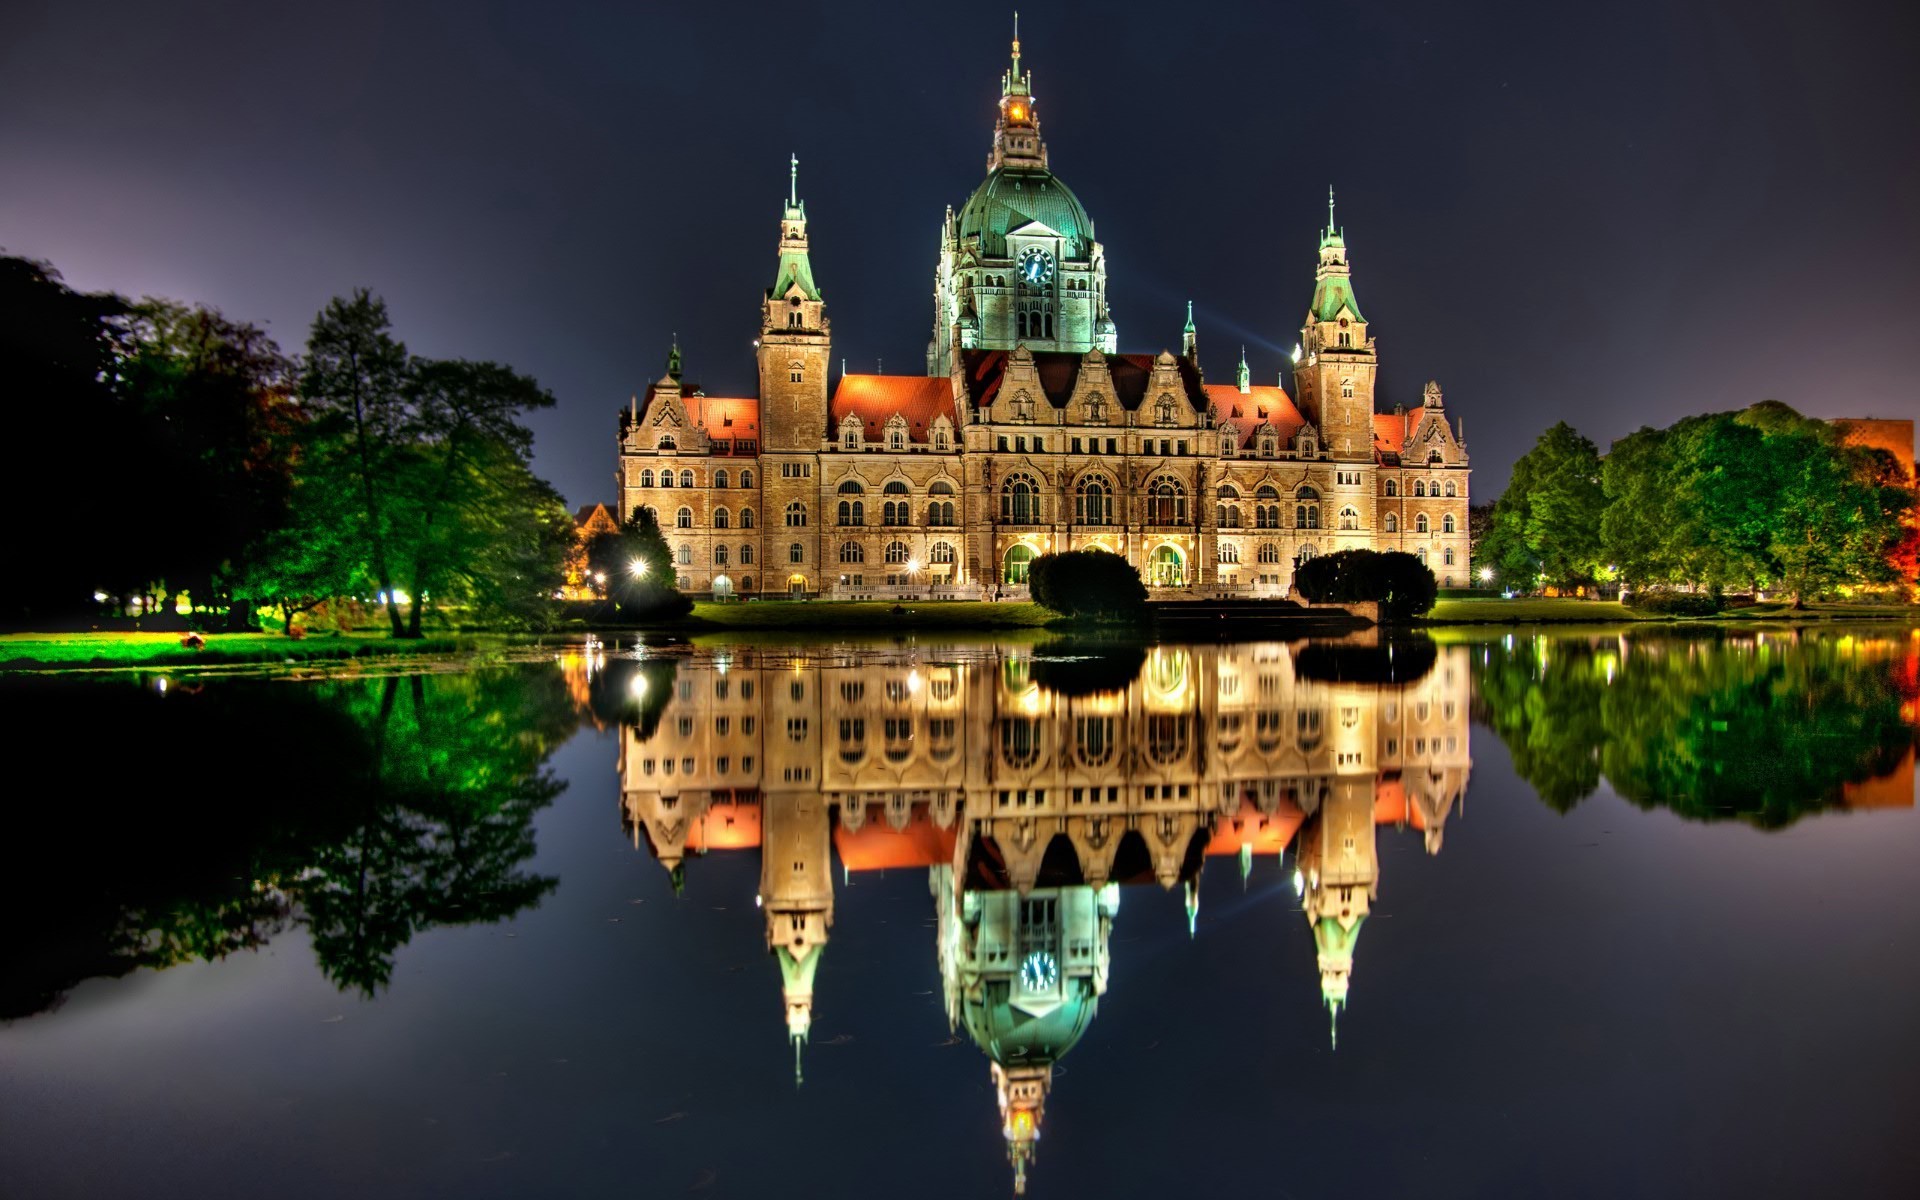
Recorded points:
(795, 269)
(1332, 281)
(796, 989)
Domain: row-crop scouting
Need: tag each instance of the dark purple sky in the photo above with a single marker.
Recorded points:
(1613, 214)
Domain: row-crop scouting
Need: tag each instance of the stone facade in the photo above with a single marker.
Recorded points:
(1032, 434)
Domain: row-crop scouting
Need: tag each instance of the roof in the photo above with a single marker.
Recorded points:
(1011, 197)
(1257, 406)
(1060, 369)
(594, 515)
(720, 417)
(1390, 432)
(1331, 293)
(920, 399)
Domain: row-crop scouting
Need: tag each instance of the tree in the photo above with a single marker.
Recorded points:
(354, 384)
(1399, 583)
(1087, 583)
(638, 565)
(1546, 525)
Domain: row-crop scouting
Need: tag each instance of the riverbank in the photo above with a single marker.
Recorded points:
(124, 651)
(1567, 610)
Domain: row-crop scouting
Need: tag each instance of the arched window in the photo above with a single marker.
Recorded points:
(684, 555)
(850, 436)
(796, 553)
(686, 478)
(894, 487)
(1023, 408)
(896, 439)
(746, 518)
(1229, 492)
(1421, 554)
(1420, 523)
(1163, 410)
(1420, 487)
(746, 556)
(796, 514)
(1450, 487)
(1266, 508)
(666, 479)
(1093, 501)
(851, 487)
(720, 518)
(646, 479)
(1228, 516)
(1228, 443)
(1392, 523)
(1306, 516)
(1230, 553)
(720, 478)
(666, 442)
(1306, 552)
(1446, 556)
(850, 552)
(940, 487)
(1446, 523)
(1166, 502)
(896, 552)
(720, 556)
(1393, 488)
(684, 518)
(1433, 489)
(940, 437)
(746, 478)
(1349, 518)
(942, 552)
(1269, 553)
(1019, 502)
(895, 512)
(940, 512)
(853, 512)
(1266, 446)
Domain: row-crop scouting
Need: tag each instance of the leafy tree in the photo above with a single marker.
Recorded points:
(1399, 583)
(638, 565)
(354, 385)
(1546, 525)
(1087, 583)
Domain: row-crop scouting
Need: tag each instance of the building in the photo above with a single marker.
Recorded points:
(1031, 432)
(589, 522)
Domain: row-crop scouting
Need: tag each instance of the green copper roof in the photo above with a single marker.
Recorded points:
(1013, 1037)
(1331, 294)
(1012, 197)
(1331, 939)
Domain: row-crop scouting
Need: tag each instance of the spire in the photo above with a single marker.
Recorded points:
(1330, 224)
(1193, 906)
(793, 181)
(794, 301)
(1016, 134)
(1333, 1024)
(1015, 73)
(673, 360)
(1189, 340)
(1243, 379)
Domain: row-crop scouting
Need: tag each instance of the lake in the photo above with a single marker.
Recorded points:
(1509, 913)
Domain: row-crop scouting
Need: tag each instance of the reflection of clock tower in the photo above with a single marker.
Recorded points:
(1334, 375)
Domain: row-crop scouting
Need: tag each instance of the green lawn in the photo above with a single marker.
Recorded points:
(60, 651)
(1529, 611)
(869, 616)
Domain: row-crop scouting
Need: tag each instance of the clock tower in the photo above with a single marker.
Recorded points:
(794, 341)
(1334, 375)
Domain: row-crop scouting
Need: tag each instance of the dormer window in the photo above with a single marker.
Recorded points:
(796, 371)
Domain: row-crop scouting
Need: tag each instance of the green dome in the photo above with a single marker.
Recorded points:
(1014, 1037)
(1010, 198)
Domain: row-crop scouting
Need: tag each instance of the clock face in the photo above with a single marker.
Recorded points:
(1038, 972)
(1036, 267)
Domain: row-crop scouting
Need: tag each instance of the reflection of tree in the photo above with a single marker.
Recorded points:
(364, 810)
(1710, 727)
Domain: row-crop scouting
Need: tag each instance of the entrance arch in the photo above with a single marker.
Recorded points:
(796, 586)
(1166, 567)
(1018, 560)
(722, 587)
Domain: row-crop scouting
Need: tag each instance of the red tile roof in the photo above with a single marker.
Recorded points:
(1248, 410)
(1390, 432)
(1059, 369)
(921, 399)
(725, 416)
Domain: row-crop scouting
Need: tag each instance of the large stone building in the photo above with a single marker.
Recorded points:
(1031, 432)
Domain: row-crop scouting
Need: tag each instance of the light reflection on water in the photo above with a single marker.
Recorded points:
(980, 810)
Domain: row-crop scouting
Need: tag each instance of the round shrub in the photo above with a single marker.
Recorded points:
(1400, 583)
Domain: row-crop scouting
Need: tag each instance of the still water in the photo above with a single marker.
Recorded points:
(1517, 915)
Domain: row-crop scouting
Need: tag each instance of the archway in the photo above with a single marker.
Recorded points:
(1166, 568)
(796, 585)
(1019, 558)
(722, 587)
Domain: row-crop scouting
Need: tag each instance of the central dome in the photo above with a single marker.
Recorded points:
(1010, 198)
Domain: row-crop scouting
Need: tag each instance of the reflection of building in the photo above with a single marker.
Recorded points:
(1032, 794)
(1030, 432)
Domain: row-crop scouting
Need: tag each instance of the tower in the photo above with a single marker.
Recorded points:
(794, 341)
(1334, 377)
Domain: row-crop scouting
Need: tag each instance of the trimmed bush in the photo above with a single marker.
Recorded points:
(1087, 583)
(1400, 583)
(1664, 603)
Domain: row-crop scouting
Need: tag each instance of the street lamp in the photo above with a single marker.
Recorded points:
(1486, 574)
(637, 568)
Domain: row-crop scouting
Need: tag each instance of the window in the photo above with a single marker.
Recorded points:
(1093, 501)
(796, 515)
(896, 439)
(1392, 523)
(1346, 385)
(1166, 502)
(1228, 516)
(1420, 487)
(684, 555)
(719, 556)
(1226, 443)
(850, 436)
(853, 512)
(746, 518)
(791, 471)
(1266, 446)
(646, 479)
(720, 479)
(1019, 501)
(1446, 523)
(686, 479)
(683, 519)
(1306, 516)
(940, 512)
(746, 559)
(1421, 554)
(1393, 489)
(1349, 518)
(796, 371)
(796, 553)
(666, 479)
(746, 479)
(850, 552)
(720, 518)
(940, 437)
(1450, 487)
(666, 443)
(1163, 410)
(942, 552)
(1269, 553)
(1420, 523)
(1230, 553)
(896, 552)
(1446, 556)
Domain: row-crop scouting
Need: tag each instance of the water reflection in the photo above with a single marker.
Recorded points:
(1032, 785)
(1749, 725)
(361, 811)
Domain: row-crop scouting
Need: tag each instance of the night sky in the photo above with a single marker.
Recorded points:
(1613, 214)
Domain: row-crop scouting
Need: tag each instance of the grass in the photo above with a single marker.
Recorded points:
(868, 616)
(72, 651)
(1529, 611)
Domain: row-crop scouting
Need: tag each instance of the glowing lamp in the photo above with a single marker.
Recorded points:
(1022, 1122)
(1486, 574)
(1019, 112)
(636, 568)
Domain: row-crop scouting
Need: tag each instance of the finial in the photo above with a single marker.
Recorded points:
(1016, 43)
(793, 181)
(1329, 208)
(1333, 1025)
(795, 1039)
(1243, 354)
(1189, 316)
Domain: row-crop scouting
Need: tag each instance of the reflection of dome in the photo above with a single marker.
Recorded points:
(1013, 1036)
(1009, 198)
